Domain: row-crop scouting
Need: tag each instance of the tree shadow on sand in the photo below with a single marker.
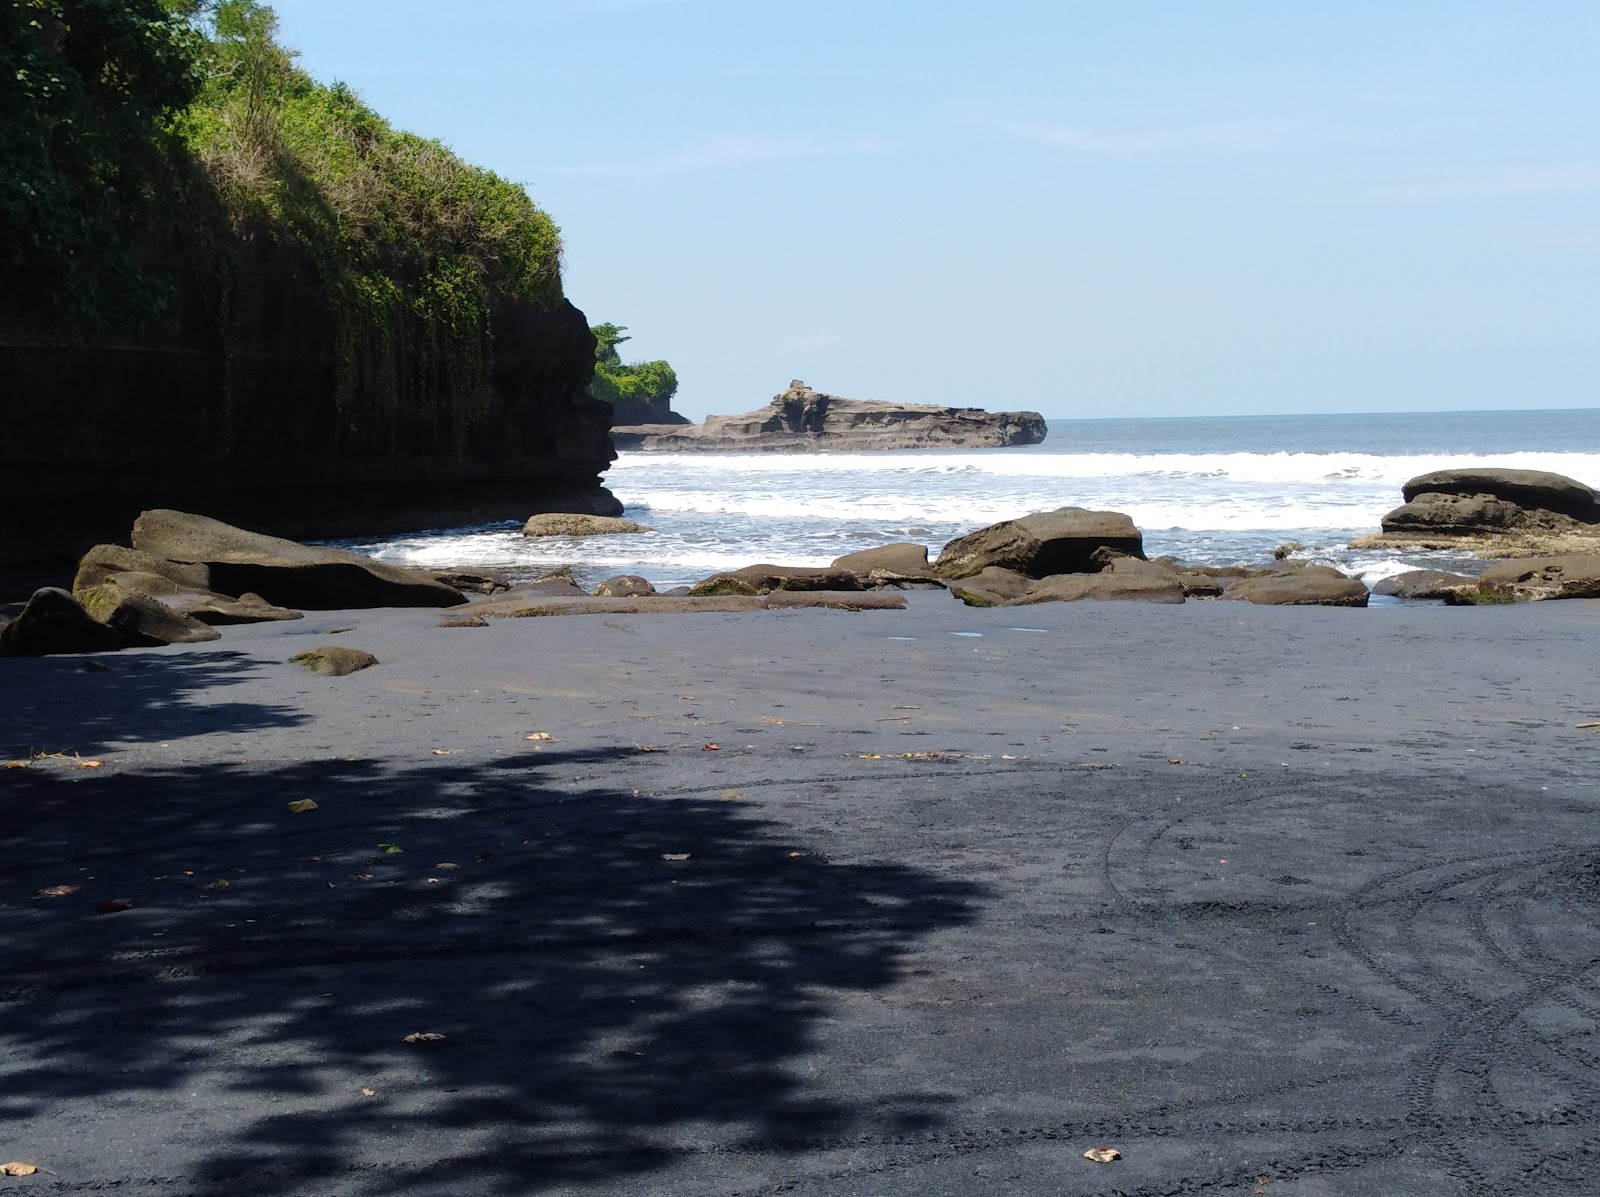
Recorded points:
(83, 705)
(620, 981)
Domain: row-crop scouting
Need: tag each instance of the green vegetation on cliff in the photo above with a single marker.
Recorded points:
(88, 88)
(128, 108)
(637, 390)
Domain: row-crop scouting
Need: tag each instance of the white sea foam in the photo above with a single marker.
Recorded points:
(1287, 468)
(718, 511)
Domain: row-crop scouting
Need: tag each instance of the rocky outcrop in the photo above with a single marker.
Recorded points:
(111, 590)
(1571, 575)
(833, 600)
(570, 524)
(143, 621)
(54, 622)
(805, 419)
(902, 563)
(1424, 584)
(281, 571)
(1495, 512)
(1310, 586)
(229, 404)
(993, 586)
(625, 586)
(1064, 541)
(764, 579)
(1533, 490)
(1127, 578)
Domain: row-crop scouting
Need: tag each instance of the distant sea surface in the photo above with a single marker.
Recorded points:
(1216, 491)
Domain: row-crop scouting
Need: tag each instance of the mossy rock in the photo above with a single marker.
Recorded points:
(559, 523)
(334, 660)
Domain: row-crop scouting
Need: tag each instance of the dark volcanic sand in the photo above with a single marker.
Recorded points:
(1348, 945)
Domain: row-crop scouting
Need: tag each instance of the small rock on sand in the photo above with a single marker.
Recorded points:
(334, 660)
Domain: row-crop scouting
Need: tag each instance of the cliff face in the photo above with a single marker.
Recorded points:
(99, 429)
(645, 411)
(805, 419)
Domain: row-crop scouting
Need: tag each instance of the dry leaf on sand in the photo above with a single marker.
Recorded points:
(90, 764)
(18, 1168)
(423, 1037)
(15, 764)
(711, 748)
(301, 806)
(540, 736)
(445, 751)
(1102, 1155)
(56, 891)
(369, 1093)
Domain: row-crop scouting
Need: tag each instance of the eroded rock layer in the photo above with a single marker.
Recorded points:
(805, 419)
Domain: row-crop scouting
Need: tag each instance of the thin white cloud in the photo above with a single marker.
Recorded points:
(718, 152)
(820, 341)
(1135, 142)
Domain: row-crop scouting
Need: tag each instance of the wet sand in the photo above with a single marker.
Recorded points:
(1298, 894)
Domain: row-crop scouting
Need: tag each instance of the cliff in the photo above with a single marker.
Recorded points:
(266, 304)
(803, 419)
(628, 412)
(241, 418)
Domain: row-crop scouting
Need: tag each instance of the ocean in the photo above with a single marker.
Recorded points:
(1208, 490)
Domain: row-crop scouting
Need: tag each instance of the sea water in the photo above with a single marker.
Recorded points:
(1214, 491)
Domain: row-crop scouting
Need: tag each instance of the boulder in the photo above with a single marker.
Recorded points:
(1313, 586)
(568, 523)
(991, 587)
(763, 579)
(52, 622)
(1197, 584)
(219, 610)
(1455, 514)
(104, 560)
(334, 660)
(1424, 584)
(890, 563)
(144, 622)
(283, 572)
(834, 600)
(1063, 541)
(625, 586)
(473, 581)
(1126, 578)
(558, 583)
(1572, 575)
(1529, 489)
(203, 605)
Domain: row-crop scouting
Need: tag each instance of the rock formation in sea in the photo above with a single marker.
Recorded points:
(1497, 513)
(802, 418)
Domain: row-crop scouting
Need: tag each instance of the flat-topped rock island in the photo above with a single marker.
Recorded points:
(803, 419)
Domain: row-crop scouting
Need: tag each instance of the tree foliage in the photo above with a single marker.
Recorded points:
(116, 110)
(87, 88)
(651, 384)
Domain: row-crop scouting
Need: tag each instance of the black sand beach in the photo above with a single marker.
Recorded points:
(1293, 901)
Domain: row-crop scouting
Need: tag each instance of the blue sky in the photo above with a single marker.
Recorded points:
(1118, 208)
